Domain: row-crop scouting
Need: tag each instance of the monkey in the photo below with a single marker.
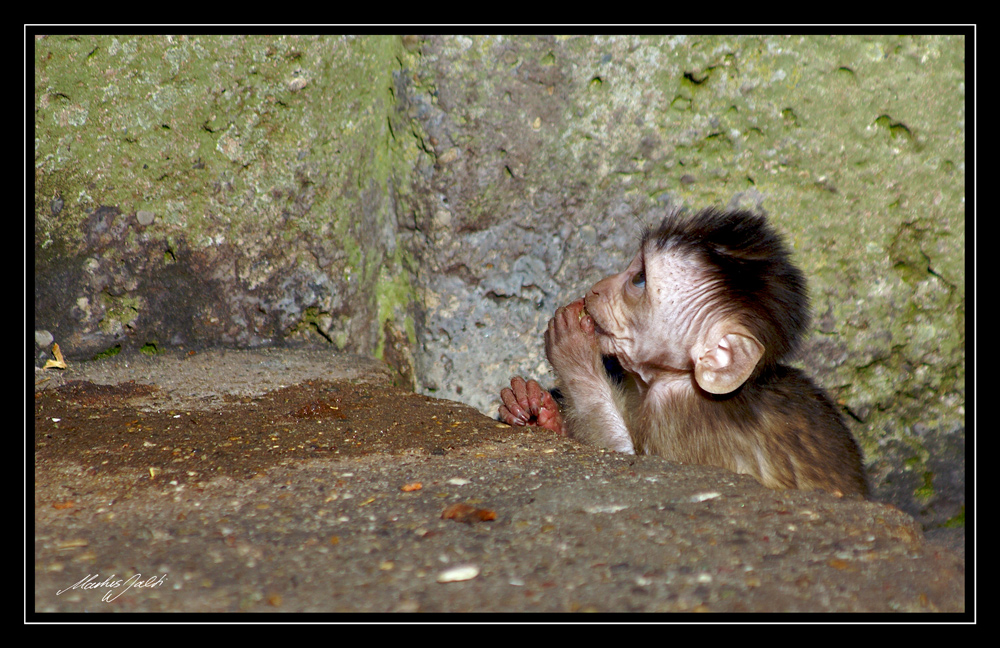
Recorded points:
(681, 355)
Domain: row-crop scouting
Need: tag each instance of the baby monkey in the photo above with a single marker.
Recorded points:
(699, 323)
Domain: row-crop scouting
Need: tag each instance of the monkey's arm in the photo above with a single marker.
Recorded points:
(594, 405)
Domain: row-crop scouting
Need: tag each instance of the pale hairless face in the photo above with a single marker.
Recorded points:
(662, 318)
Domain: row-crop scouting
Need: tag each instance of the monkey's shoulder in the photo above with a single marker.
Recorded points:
(788, 395)
(789, 384)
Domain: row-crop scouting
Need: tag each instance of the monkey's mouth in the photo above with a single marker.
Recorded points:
(597, 327)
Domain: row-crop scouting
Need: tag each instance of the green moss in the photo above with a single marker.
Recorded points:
(956, 522)
(180, 126)
(119, 313)
(108, 353)
(150, 349)
(925, 492)
(895, 129)
(393, 296)
(314, 321)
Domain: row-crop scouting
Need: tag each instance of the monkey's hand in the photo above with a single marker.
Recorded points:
(593, 411)
(526, 403)
(571, 344)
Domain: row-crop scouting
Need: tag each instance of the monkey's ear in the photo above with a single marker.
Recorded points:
(727, 360)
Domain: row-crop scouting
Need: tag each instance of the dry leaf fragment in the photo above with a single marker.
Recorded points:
(415, 486)
(464, 513)
(59, 362)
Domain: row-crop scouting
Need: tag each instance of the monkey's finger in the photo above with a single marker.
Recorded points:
(548, 339)
(509, 418)
(535, 397)
(577, 312)
(510, 400)
(520, 389)
(559, 324)
(514, 410)
(550, 329)
(575, 308)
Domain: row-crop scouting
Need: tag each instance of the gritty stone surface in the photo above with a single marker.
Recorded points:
(430, 200)
(287, 481)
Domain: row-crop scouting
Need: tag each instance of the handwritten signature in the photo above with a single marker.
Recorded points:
(114, 584)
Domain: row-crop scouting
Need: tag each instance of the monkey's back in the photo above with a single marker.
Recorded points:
(803, 423)
(780, 428)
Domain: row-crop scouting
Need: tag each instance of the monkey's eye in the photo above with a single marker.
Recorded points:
(639, 279)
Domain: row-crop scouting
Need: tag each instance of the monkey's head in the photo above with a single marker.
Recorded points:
(712, 294)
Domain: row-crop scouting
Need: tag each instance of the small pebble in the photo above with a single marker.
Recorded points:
(43, 338)
(459, 573)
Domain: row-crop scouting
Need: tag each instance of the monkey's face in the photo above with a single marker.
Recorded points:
(644, 315)
(664, 316)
